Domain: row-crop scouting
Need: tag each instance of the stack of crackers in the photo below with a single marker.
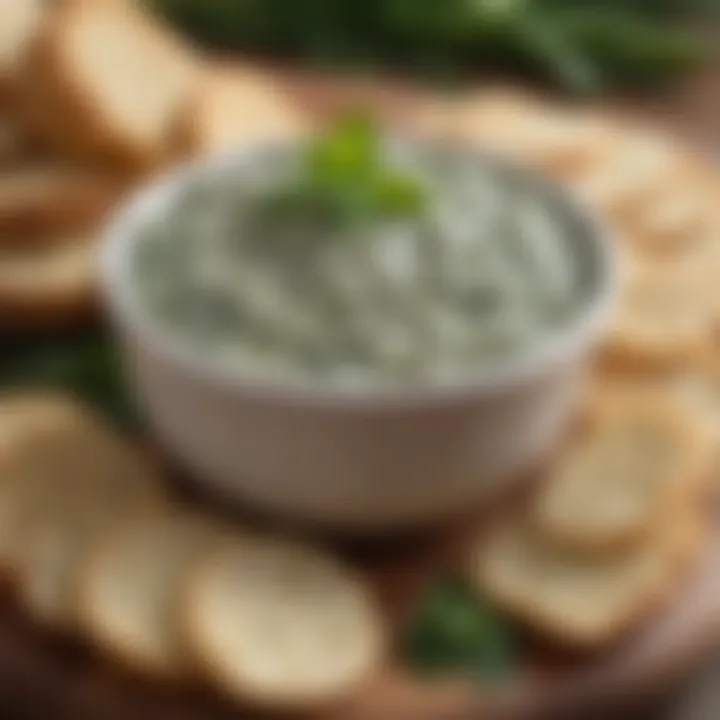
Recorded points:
(611, 534)
(621, 513)
(94, 96)
(91, 542)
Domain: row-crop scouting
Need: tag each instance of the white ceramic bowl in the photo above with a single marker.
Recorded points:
(371, 462)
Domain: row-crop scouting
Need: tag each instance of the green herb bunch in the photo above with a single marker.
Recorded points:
(344, 179)
(582, 45)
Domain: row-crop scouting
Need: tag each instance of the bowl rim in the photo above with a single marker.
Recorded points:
(116, 288)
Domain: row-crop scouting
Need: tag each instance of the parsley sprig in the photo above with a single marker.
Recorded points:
(345, 178)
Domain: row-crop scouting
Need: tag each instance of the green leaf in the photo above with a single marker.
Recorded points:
(398, 194)
(454, 632)
(344, 180)
(348, 152)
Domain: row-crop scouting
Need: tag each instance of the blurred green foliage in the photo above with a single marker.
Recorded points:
(85, 364)
(453, 632)
(582, 45)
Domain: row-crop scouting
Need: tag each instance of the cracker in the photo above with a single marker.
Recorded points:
(633, 170)
(49, 286)
(21, 20)
(699, 386)
(13, 143)
(234, 107)
(605, 387)
(585, 602)
(43, 203)
(674, 221)
(57, 539)
(663, 318)
(65, 475)
(281, 625)
(107, 84)
(620, 480)
(557, 140)
(127, 596)
(24, 417)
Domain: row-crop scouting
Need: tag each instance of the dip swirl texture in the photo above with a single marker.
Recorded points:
(493, 265)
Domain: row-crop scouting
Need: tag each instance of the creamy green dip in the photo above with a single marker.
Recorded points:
(494, 263)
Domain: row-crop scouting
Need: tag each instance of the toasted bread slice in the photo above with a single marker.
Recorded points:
(621, 479)
(45, 201)
(584, 602)
(49, 287)
(20, 20)
(238, 106)
(109, 84)
(129, 586)
(663, 318)
(280, 625)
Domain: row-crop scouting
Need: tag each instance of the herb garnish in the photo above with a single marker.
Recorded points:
(454, 632)
(85, 364)
(343, 178)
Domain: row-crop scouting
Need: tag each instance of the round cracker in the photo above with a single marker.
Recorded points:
(674, 221)
(561, 141)
(582, 601)
(218, 123)
(49, 286)
(60, 460)
(663, 318)
(620, 480)
(698, 388)
(633, 170)
(23, 417)
(281, 625)
(55, 542)
(13, 143)
(42, 203)
(66, 103)
(127, 595)
(607, 389)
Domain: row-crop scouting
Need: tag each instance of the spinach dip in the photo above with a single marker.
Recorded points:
(485, 268)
